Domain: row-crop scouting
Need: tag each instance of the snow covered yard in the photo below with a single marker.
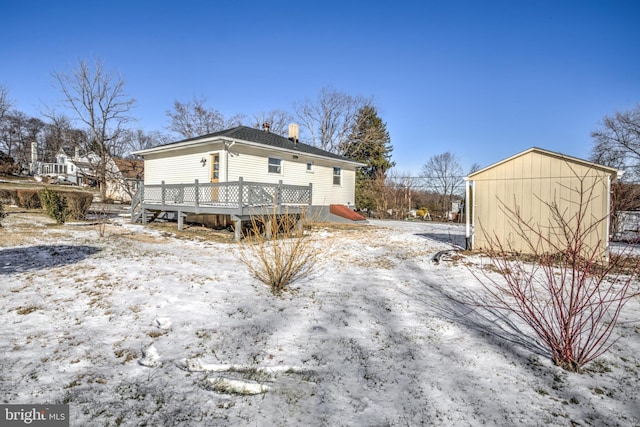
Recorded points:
(143, 328)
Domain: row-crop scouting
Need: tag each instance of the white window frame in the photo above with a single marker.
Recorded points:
(337, 175)
(278, 166)
(309, 167)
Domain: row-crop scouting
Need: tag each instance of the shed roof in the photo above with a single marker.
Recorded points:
(613, 171)
(253, 136)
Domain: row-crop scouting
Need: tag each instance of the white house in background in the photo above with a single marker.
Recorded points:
(122, 175)
(68, 167)
(253, 155)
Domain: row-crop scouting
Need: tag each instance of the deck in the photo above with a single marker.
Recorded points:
(239, 199)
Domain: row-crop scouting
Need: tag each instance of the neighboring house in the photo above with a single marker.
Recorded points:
(227, 160)
(527, 182)
(124, 177)
(67, 167)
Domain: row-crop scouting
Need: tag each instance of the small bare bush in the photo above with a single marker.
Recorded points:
(565, 289)
(101, 213)
(277, 250)
(78, 203)
(8, 196)
(27, 198)
(2, 213)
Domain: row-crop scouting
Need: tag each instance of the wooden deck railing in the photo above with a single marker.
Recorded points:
(220, 197)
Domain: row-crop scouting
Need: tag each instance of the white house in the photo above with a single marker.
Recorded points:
(122, 175)
(245, 154)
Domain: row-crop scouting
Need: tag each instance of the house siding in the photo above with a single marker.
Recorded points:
(180, 166)
(251, 163)
(528, 183)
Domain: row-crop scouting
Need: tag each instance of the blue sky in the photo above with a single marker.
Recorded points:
(482, 79)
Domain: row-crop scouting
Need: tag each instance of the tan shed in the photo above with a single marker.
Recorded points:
(527, 186)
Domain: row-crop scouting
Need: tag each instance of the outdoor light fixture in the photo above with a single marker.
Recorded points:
(203, 161)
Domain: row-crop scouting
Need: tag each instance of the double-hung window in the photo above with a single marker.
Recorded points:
(275, 165)
(337, 176)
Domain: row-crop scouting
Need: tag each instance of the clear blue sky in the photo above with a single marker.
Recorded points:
(482, 79)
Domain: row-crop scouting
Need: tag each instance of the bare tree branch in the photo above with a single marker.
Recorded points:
(98, 100)
(330, 119)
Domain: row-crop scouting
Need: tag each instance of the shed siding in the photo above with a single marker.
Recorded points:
(529, 183)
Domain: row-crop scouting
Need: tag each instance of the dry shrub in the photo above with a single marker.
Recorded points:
(278, 251)
(8, 196)
(565, 290)
(101, 213)
(28, 199)
(78, 203)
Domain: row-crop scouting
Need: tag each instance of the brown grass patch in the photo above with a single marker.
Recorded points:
(27, 310)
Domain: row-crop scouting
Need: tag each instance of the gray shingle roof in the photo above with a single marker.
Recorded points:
(245, 133)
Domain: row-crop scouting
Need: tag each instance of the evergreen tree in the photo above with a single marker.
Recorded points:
(369, 143)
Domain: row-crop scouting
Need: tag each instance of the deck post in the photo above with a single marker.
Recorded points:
(197, 196)
(163, 193)
(240, 191)
(142, 210)
(310, 192)
(279, 194)
(238, 229)
(267, 231)
(300, 225)
(180, 220)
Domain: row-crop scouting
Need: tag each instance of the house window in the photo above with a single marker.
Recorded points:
(309, 166)
(275, 165)
(337, 173)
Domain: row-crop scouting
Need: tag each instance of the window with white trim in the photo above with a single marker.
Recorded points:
(275, 165)
(309, 166)
(337, 176)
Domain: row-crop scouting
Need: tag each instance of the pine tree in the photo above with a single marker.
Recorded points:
(369, 143)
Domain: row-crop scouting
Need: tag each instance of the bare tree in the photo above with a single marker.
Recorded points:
(5, 102)
(442, 174)
(18, 132)
(193, 118)
(138, 139)
(234, 121)
(60, 134)
(617, 142)
(330, 119)
(565, 291)
(98, 99)
(624, 197)
(7, 162)
(474, 168)
(278, 120)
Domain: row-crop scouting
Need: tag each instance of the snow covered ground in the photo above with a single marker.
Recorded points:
(140, 327)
